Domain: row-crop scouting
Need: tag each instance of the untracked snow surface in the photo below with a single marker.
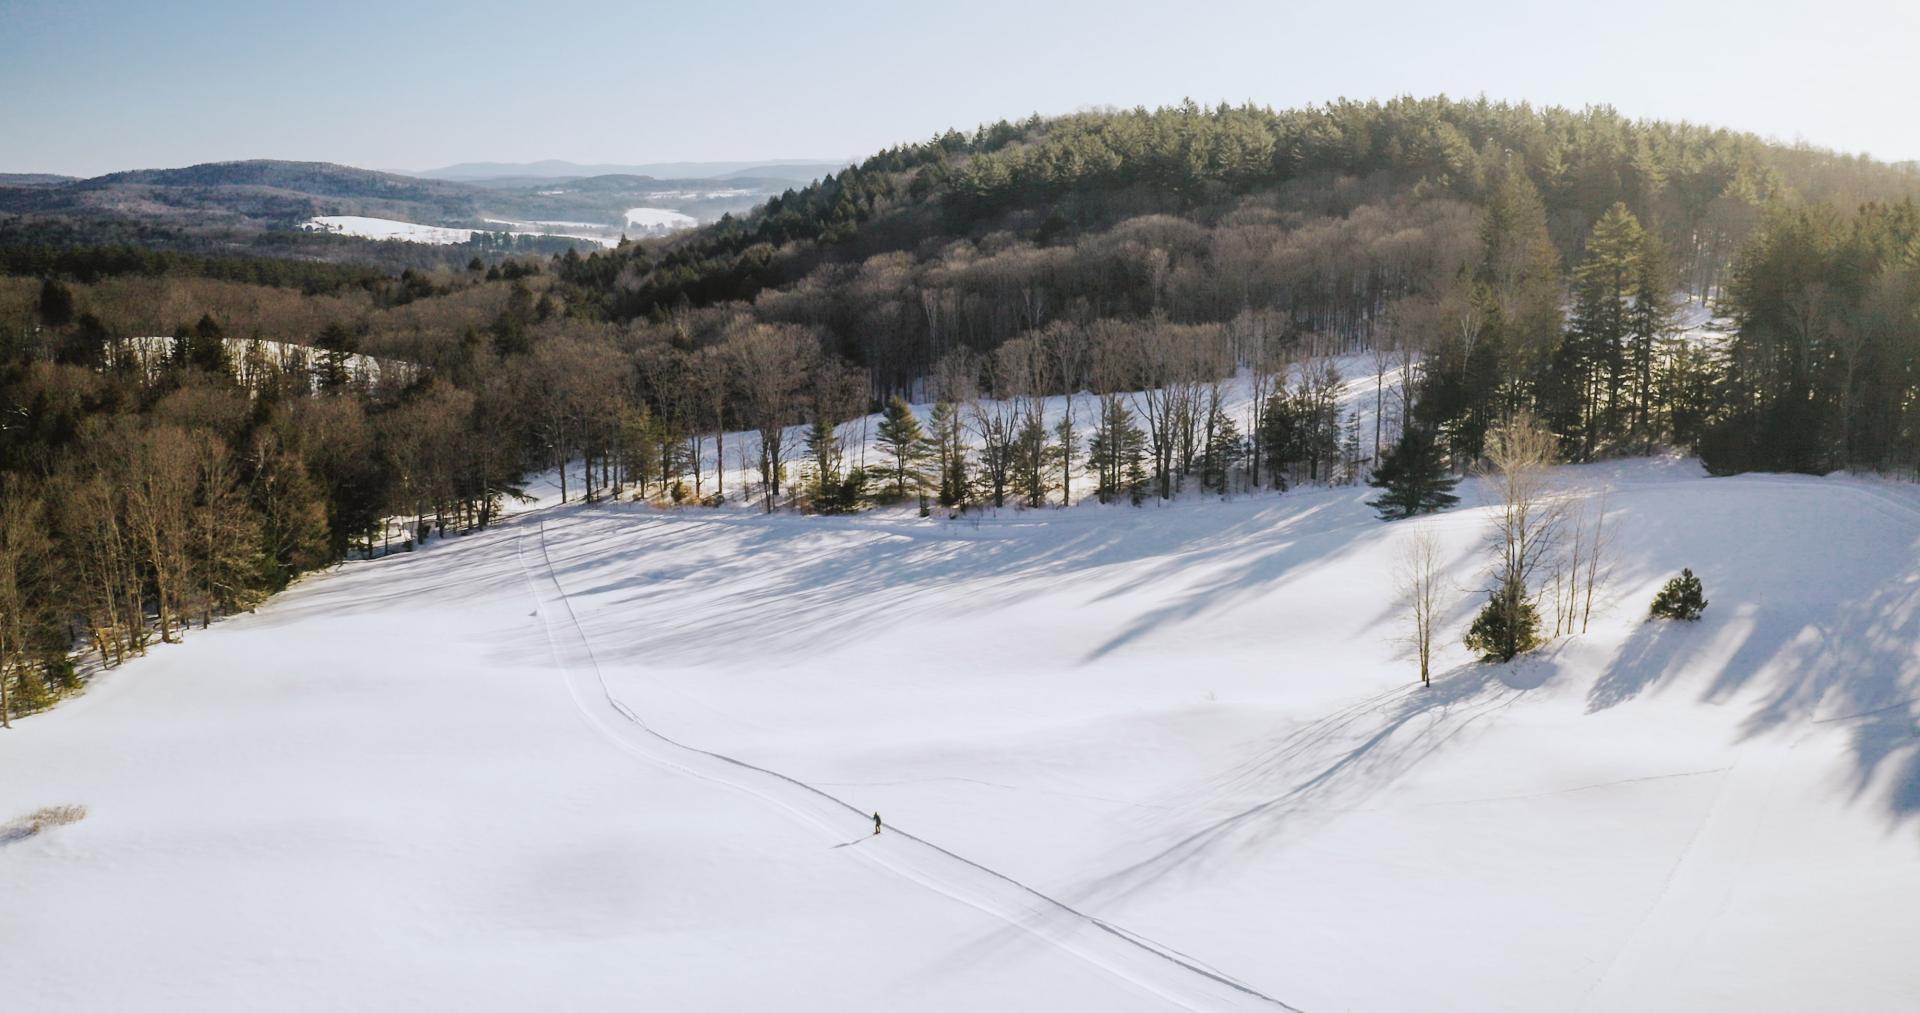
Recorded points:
(388, 228)
(659, 221)
(607, 756)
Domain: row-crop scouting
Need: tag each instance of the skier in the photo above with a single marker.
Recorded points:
(876, 824)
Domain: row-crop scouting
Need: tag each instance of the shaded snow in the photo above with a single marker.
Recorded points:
(1158, 757)
(398, 782)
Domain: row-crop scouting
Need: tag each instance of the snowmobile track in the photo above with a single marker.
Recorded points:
(1148, 965)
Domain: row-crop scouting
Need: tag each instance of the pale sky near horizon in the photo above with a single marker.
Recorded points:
(90, 86)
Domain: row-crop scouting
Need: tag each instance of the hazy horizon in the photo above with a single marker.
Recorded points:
(109, 86)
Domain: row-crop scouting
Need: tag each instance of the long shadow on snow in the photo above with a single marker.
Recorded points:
(1332, 766)
(773, 578)
(1835, 645)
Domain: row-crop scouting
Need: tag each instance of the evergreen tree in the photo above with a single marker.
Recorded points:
(900, 435)
(1117, 452)
(1594, 358)
(950, 453)
(1504, 630)
(1225, 451)
(1032, 456)
(1520, 292)
(1683, 597)
(56, 303)
(208, 350)
(1413, 477)
(1279, 437)
(1649, 323)
(336, 344)
(1350, 449)
(823, 445)
(1064, 452)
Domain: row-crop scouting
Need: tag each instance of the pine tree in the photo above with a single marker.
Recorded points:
(1031, 457)
(1279, 437)
(56, 303)
(1504, 630)
(336, 344)
(208, 351)
(1350, 450)
(950, 453)
(1225, 452)
(1414, 478)
(1064, 452)
(1683, 597)
(1594, 356)
(905, 442)
(1649, 323)
(1116, 452)
(823, 445)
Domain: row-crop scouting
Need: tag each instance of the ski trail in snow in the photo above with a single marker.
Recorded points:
(1698, 886)
(1153, 967)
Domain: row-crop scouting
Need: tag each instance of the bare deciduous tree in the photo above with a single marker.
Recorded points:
(1527, 522)
(1419, 581)
(772, 365)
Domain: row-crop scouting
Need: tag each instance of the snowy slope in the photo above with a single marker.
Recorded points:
(438, 235)
(1168, 757)
(387, 228)
(659, 221)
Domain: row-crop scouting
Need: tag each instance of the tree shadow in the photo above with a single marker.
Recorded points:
(1654, 650)
(1332, 766)
(824, 581)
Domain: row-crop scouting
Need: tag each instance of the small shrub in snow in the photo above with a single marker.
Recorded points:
(1502, 631)
(1681, 598)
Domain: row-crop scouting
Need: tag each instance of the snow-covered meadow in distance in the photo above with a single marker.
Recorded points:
(365, 227)
(1175, 756)
(659, 221)
(637, 222)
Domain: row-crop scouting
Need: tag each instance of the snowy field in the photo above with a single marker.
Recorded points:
(388, 228)
(1131, 758)
(659, 221)
(1153, 758)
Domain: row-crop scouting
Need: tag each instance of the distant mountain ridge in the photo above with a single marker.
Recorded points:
(261, 196)
(798, 170)
(33, 179)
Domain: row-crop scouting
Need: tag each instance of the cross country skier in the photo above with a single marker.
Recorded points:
(876, 823)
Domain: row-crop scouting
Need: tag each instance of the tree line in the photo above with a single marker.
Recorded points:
(1477, 264)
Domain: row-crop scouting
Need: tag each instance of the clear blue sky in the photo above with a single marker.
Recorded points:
(89, 87)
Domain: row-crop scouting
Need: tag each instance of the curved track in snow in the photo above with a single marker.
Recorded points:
(1150, 966)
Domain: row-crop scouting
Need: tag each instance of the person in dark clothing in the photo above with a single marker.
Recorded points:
(876, 823)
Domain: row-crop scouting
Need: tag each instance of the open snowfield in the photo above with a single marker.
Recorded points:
(1149, 758)
(438, 235)
(388, 228)
(659, 221)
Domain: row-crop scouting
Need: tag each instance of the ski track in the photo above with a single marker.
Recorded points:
(1150, 966)
(1700, 882)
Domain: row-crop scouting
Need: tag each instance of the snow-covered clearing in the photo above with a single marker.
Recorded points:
(1165, 757)
(388, 228)
(403, 783)
(659, 221)
(151, 354)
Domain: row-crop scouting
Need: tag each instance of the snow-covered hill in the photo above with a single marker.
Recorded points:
(1170, 757)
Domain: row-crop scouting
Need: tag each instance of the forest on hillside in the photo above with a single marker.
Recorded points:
(1510, 261)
